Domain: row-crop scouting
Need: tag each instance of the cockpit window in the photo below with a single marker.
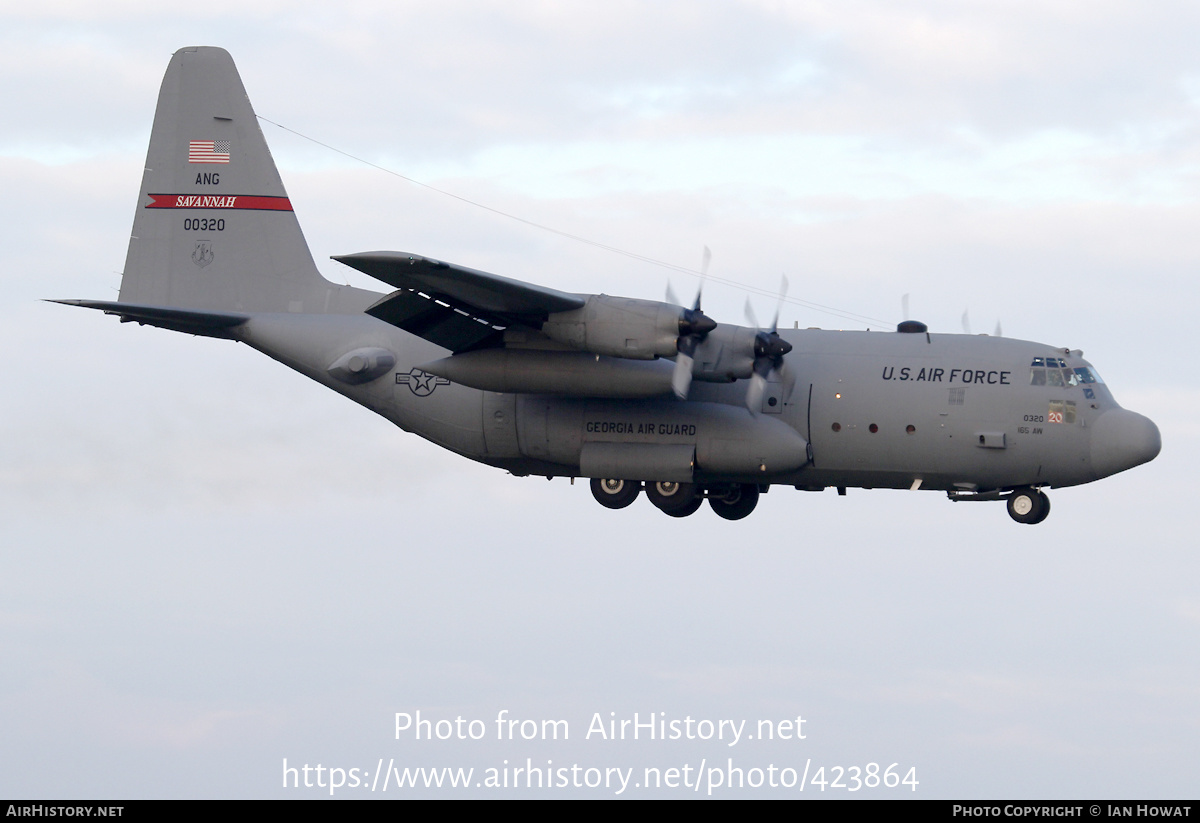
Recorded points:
(1054, 371)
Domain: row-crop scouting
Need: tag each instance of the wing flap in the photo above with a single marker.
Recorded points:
(437, 322)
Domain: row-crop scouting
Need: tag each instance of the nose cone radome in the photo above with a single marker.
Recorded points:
(1121, 440)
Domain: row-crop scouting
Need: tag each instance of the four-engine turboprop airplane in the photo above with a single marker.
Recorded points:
(635, 394)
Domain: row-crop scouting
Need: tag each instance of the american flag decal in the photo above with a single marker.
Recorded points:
(208, 151)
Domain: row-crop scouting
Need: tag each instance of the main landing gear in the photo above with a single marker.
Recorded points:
(732, 501)
(737, 502)
(675, 499)
(615, 494)
(1028, 505)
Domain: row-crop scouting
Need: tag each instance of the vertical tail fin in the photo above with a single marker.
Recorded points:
(214, 229)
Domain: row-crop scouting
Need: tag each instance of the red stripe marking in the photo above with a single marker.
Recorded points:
(218, 201)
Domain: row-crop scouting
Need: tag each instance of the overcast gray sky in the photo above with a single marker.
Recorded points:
(210, 564)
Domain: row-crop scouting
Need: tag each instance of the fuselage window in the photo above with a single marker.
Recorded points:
(1062, 412)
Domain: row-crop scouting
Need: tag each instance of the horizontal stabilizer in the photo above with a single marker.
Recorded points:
(205, 323)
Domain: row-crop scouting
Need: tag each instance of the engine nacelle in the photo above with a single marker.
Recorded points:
(727, 354)
(619, 327)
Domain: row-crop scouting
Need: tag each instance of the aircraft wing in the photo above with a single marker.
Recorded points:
(455, 307)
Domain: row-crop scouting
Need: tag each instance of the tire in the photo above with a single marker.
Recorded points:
(615, 494)
(1028, 506)
(689, 509)
(674, 497)
(1045, 508)
(737, 503)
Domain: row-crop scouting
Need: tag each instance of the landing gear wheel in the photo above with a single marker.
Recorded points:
(738, 502)
(690, 508)
(1045, 508)
(675, 499)
(1028, 506)
(615, 494)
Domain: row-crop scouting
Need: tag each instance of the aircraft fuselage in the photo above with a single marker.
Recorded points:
(880, 410)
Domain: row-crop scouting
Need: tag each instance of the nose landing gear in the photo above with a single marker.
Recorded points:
(1028, 505)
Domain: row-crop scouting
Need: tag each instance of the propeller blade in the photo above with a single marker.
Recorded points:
(966, 323)
(705, 259)
(694, 326)
(788, 376)
(750, 317)
(783, 287)
(769, 351)
(755, 392)
(999, 332)
(904, 305)
(681, 378)
(671, 298)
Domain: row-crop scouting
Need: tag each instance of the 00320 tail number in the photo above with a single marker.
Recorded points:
(204, 224)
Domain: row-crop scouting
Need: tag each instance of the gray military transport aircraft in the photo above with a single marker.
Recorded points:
(635, 394)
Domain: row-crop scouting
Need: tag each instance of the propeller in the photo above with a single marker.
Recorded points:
(694, 326)
(769, 351)
(966, 326)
